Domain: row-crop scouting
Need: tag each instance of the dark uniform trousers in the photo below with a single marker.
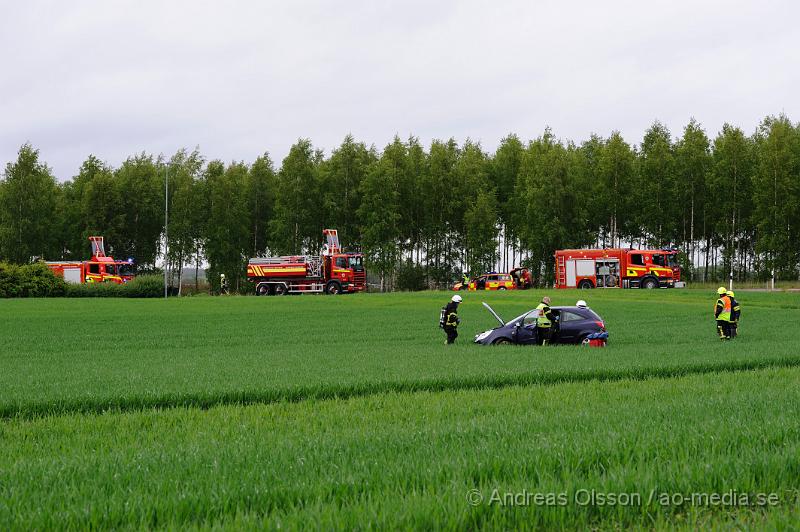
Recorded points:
(543, 335)
(452, 333)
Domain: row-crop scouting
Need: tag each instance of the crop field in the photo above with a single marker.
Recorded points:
(241, 412)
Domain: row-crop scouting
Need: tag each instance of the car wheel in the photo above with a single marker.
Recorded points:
(585, 341)
(585, 285)
(333, 288)
(649, 283)
(502, 341)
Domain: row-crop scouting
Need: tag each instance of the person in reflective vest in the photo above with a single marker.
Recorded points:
(722, 313)
(451, 319)
(736, 311)
(544, 323)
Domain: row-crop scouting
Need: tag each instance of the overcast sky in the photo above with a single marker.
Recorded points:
(114, 78)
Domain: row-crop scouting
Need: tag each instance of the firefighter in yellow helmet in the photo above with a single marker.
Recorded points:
(544, 323)
(722, 313)
(736, 311)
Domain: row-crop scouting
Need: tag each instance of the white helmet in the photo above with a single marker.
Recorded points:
(456, 299)
(581, 303)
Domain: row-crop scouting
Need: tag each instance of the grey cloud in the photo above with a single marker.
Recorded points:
(116, 78)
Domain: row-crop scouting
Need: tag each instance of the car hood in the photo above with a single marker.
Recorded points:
(496, 316)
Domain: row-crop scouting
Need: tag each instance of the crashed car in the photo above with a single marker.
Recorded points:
(573, 325)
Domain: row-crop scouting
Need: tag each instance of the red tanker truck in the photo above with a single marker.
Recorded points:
(331, 272)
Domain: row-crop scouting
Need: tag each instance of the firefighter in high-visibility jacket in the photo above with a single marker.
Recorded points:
(722, 313)
(544, 323)
(450, 319)
(736, 312)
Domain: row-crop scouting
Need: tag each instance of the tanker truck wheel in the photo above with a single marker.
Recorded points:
(262, 290)
(333, 288)
(280, 289)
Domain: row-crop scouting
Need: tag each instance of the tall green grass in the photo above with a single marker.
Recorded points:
(397, 461)
(74, 355)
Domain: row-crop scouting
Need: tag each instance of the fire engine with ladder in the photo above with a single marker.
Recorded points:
(331, 272)
(98, 269)
(618, 268)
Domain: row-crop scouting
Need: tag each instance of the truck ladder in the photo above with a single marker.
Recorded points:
(562, 271)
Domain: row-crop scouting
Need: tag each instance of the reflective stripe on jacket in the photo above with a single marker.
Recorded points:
(451, 315)
(722, 310)
(543, 320)
(736, 310)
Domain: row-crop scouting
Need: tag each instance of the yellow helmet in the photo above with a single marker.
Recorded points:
(721, 290)
(730, 293)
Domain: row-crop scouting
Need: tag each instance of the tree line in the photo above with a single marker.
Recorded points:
(731, 203)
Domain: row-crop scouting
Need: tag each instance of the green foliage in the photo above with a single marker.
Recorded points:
(227, 235)
(776, 189)
(481, 230)
(379, 212)
(297, 227)
(657, 208)
(340, 186)
(731, 205)
(29, 280)
(183, 171)
(260, 196)
(140, 182)
(410, 277)
(29, 223)
(553, 196)
(615, 181)
(142, 286)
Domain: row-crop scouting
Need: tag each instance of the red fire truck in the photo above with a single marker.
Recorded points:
(98, 269)
(617, 268)
(331, 272)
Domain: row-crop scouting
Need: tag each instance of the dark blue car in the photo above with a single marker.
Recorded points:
(573, 325)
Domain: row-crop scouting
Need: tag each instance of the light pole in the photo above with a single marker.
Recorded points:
(166, 225)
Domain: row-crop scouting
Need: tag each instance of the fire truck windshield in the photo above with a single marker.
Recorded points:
(356, 262)
(665, 260)
(125, 269)
(111, 269)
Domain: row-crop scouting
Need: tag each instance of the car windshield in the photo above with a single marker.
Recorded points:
(528, 317)
(356, 262)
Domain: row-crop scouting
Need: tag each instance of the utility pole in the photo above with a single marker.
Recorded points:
(166, 225)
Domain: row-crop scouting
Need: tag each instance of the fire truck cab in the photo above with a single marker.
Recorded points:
(617, 268)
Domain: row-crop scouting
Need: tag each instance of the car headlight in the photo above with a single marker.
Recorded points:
(482, 335)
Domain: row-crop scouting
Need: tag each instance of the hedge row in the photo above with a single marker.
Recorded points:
(36, 280)
(141, 286)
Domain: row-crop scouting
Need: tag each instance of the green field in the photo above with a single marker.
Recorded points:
(350, 412)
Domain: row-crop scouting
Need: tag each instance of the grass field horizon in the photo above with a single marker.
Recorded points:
(350, 412)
